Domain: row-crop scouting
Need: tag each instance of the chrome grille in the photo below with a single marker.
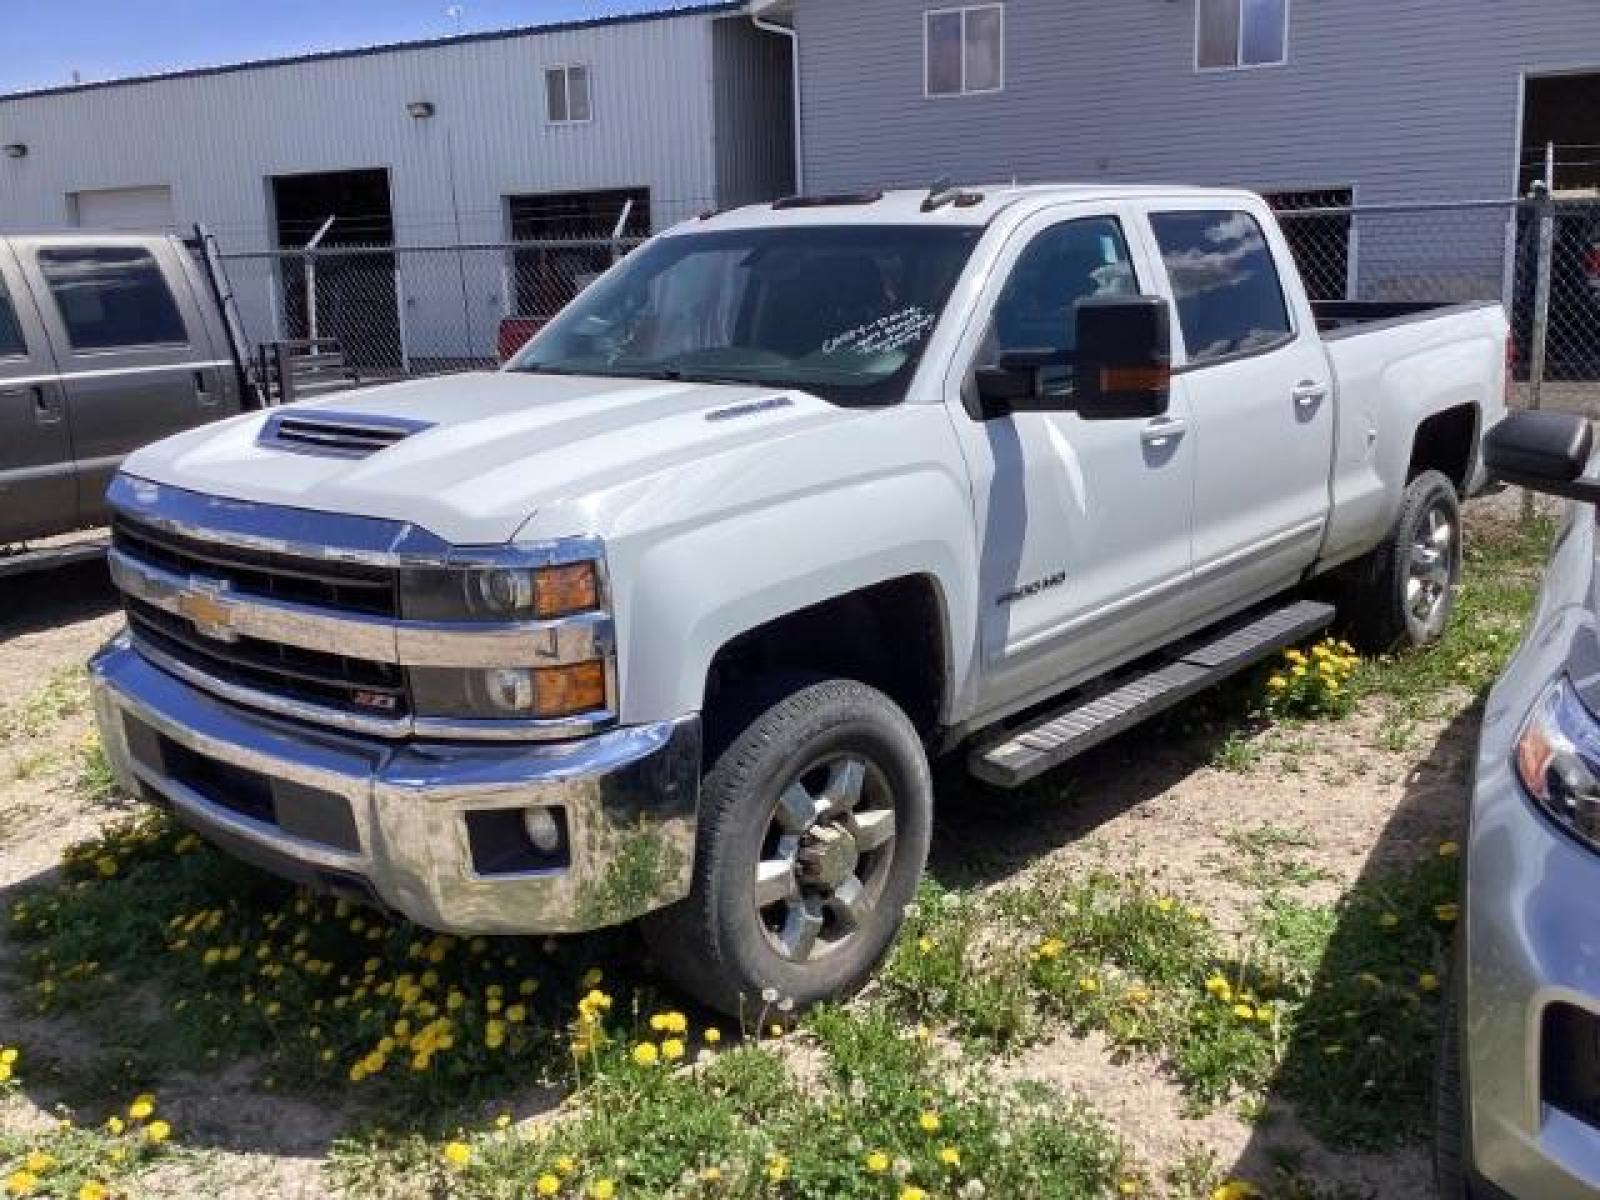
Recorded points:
(346, 586)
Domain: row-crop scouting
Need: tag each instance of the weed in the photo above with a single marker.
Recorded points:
(1238, 753)
(1263, 858)
(1313, 684)
(65, 694)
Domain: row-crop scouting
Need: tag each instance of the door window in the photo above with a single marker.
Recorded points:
(1064, 264)
(111, 297)
(1230, 299)
(12, 344)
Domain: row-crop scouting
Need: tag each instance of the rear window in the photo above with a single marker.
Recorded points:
(1230, 300)
(11, 343)
(112, 297)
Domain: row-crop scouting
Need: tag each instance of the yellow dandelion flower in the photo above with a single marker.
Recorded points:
(157, 1132)
(1428, 982)
(950, 1156)
(778, 1168)
(566, 1165)
(712, 1035)
(115, 1125)
(1244, 1012)
(1446, 912)
(877, 1162)
(457, 1154)
(547, 1185)
(912, 1192)
(602, 1189)
(1449, 849)
(21, 1183)
(38, 1162)
(672, 1049)
(1389, 920)
(93, 1189)
(711, 1174)
(929, 1122)
(646, 1054)
(140, 1109)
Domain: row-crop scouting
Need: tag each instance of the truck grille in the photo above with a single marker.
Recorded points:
(348, 587)
(357, 686)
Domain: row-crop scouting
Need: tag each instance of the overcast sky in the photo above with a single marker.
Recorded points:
(44, 41)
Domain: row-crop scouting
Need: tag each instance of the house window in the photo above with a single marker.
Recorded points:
(566, 91)
(1241, 33)
(963, 50)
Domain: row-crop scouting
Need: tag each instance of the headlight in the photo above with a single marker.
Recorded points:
(510, 693)
(499, 593)
(1558, 760)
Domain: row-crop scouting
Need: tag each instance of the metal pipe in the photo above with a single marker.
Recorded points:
(311, 276)
(796, 125)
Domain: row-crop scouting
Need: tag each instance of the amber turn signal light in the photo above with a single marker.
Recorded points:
(566, 691)
(558, 591)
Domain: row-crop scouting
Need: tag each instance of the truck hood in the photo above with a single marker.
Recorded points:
(488, 450)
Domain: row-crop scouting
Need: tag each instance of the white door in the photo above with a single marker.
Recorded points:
(1083, 526)
(1259, 387)
(130, 209)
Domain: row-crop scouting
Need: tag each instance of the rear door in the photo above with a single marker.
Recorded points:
(38, 492)
(131, 344)
(1257, 383)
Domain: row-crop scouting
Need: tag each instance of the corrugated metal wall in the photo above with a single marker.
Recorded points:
(753, 106)
(216, 139)
(1406, 100)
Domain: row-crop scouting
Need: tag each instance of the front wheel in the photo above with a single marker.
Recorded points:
(814, 829)
(1401, 593)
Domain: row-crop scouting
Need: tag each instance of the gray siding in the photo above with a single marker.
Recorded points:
(753, 108)
(215, 139)
(1406, 100)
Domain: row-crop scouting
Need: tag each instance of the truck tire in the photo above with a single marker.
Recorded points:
(815, 818)
(1402, 592)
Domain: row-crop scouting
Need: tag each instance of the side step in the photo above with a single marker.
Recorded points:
(1016, 755)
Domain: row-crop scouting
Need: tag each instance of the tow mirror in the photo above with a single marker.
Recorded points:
(1121, 369)
(1544, 452)
(1124, 358)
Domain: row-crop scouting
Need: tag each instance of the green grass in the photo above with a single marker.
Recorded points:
(65, 694)
(1265, 858)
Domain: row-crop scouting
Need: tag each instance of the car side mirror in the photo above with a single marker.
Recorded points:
(1544, 452)
(1121, 369)
(1124, 358)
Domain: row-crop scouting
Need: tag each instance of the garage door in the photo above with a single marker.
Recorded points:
(132, 208)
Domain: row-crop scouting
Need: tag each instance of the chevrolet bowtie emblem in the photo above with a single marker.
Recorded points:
(204, 605)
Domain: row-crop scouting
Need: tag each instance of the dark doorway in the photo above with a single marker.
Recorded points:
(548, 274)
(1562, 111)
(355, 265)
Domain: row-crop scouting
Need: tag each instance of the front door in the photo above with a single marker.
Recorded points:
(38, 494)
(1259, 387)
(1083, 526)
(131, 345)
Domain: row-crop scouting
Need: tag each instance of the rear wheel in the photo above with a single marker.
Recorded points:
(1402, 592)
(814, 829)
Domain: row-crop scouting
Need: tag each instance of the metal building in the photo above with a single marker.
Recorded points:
(619, 125)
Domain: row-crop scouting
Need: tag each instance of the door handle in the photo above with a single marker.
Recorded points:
(202, 394)
(1308, 394)
(1163, 430)
(45, 410)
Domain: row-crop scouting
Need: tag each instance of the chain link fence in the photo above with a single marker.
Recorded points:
(401, 311)
(416, 310)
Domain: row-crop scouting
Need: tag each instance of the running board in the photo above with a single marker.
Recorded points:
(1018, 754)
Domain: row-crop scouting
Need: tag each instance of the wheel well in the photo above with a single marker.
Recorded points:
(888, 635)
(1446, 442)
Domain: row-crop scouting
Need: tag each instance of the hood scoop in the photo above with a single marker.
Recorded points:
(336, 434)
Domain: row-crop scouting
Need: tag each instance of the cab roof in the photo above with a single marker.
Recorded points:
(968, 204)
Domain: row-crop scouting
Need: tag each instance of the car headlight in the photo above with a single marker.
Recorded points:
(555, 583)
(510, 693)
(500, 593)
(1558, 760)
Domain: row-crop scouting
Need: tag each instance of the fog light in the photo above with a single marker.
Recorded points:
(543, 830)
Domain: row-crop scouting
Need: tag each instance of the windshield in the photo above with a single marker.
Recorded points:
(842, 311)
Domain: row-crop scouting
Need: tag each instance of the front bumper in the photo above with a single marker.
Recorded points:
(403, 824)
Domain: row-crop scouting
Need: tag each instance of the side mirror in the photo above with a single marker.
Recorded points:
(1121, 369)
(1544, 452)
(1124, 358)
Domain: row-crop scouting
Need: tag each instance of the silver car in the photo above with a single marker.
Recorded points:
(1519, 1078)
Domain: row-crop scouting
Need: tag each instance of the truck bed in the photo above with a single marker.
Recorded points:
(1343, 318)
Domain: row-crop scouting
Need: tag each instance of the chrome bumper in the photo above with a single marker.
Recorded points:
(415, 819)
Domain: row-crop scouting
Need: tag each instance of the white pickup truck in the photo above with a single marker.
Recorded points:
(666, 618)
